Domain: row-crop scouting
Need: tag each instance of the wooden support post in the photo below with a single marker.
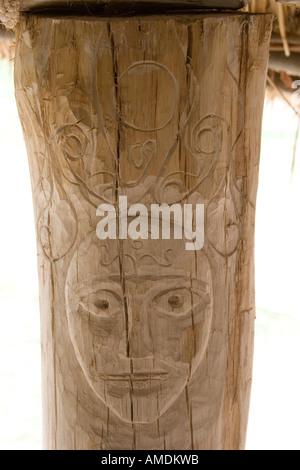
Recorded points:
(145, 344)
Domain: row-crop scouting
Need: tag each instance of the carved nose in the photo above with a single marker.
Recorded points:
(139, 342)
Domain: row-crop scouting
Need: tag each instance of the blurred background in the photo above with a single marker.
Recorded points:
(20, 395)
(275, 408)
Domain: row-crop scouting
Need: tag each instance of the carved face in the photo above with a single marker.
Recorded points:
(140, 324)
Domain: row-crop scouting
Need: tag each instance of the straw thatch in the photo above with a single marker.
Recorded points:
(284, 64)
(9, 12)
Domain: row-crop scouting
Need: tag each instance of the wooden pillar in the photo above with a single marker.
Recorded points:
(145, 345)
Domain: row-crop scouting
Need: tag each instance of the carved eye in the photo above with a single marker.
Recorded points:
(176, 301)
(180, 302)
(173, 302)
(102, 303)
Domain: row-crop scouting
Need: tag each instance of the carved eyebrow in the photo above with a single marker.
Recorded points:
(94, 281)
(100, 290)
(173, 289)
(167, 277)
(136, 278)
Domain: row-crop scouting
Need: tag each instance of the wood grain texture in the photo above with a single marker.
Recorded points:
(161, 110)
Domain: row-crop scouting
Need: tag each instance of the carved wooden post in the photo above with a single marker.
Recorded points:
(145, 345)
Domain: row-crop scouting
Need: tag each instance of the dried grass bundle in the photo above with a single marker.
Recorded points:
(10, 12)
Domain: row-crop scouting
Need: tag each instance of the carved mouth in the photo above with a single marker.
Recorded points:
(137, 376)
(138, 382)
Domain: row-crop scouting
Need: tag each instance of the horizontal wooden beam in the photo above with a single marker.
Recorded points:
(129, 6)
(295, 2)
(280, 63)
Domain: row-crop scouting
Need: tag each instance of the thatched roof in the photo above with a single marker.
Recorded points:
(286, 29)
(9, 12)
(284, 63)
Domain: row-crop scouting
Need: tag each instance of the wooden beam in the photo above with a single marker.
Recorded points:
(280, 63)
(129, 5)
(291, 2)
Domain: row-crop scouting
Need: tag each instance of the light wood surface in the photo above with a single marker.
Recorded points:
(144, 345)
